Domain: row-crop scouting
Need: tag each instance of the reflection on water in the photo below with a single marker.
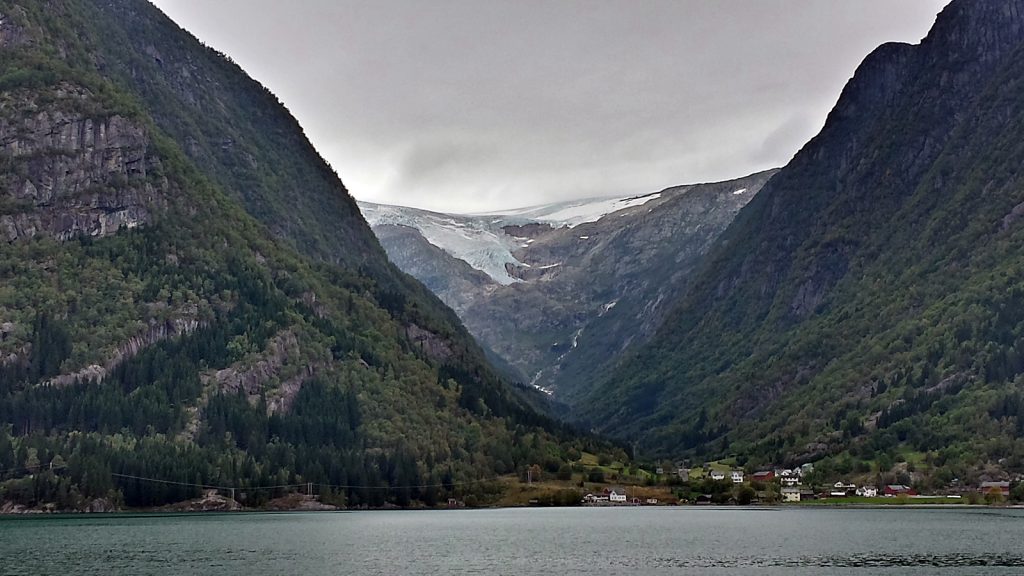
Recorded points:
(856, 561)
(567, 542)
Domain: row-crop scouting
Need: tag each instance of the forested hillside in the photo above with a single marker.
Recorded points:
(865, 308)
(189, 297)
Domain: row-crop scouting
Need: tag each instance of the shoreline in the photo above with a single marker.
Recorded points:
(162, 512)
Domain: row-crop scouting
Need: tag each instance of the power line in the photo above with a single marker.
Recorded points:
(33, 468)
(171, 482)
(303, 484)
(45, 467)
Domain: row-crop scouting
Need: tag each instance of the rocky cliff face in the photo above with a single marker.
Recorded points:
(155, 332)
(69, 172)
(581, 294)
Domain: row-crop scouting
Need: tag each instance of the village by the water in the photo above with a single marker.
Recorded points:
(717, 483)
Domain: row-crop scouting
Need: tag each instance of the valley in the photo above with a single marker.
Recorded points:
(559, 292)
(858, 312)
(195, 309)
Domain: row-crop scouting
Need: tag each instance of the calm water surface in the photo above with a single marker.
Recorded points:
(766, 542)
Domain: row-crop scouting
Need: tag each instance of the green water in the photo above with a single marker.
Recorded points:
(539, 541)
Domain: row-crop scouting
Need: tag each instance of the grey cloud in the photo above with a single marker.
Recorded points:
(468, 105)
(440, 159)
(785, 139)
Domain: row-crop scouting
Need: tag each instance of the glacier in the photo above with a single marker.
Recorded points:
(480, 241)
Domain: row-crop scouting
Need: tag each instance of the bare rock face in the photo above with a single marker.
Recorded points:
(433, 345)
(211, 501)
(12, 35)
(280, 371)
(101, 506)
(299, 502)
(8, 507)
(157, 332)
(68, 171)
(252, 377)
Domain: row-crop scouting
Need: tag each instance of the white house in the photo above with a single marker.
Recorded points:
(789, 480)
(617, 495)
(841, 489)
(790, 494)
(737, 476)
(867, 491)
(717, 475)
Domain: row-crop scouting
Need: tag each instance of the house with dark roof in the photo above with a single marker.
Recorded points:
(995, 488)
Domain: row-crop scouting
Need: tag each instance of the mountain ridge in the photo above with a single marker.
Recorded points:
(846, 315)
(189, 296)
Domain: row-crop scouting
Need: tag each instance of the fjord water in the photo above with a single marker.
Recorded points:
(536, 541)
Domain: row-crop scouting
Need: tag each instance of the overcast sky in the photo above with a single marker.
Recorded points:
(474, 105)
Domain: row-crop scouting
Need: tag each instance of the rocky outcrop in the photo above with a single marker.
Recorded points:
(282, 354)
(11, 34)
(435, 347)
(70, 171)
(299, 503)
(156, 332)
(96, 506)
(101, 506)
(531, 230)
(211, 501)
(251, 378)
(12, 508)
(7, 337)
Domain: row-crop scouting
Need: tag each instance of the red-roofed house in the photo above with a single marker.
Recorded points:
(899, 490)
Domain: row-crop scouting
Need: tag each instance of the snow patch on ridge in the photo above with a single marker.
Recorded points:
(607, 307)
(576, 212)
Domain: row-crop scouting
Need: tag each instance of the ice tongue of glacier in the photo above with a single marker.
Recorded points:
(478, 239)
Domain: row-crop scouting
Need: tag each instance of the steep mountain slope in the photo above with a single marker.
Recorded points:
(579, 281)
(866, 304)
(188, 296)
